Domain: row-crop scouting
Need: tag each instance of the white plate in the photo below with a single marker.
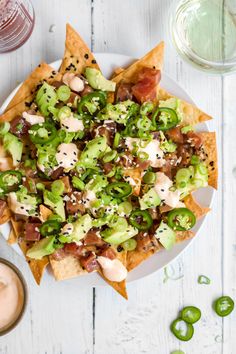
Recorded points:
(108, 62)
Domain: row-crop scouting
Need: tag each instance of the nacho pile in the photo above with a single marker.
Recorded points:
(96, 174)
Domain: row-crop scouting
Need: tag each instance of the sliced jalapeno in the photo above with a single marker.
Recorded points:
(42, 133)
(191, 314)
(182, 330)
(10, 180)
(164, 118)
(141, 219)
(50, 227)
(224, 306)
(91, 102)
(181, 219)
(119, 189)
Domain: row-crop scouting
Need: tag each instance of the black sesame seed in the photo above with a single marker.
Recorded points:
(86, 56)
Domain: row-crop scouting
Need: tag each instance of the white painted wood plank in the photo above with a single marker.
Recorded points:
(59, 315)
(141, 325)
(229, 196)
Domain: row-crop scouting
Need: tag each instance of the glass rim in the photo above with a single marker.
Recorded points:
(25, 294)
(189, 55)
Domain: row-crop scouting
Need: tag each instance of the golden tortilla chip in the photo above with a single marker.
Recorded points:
(120, 287)
(116, 72)
(133, 176)
(44, 213)
(209, 154)
(192, 115)
(198, 210)
(16, 110)
(66, 268)
(134, 258)
(153, 59)
(37, 266)
(18, 227)
(43, 72)
(6, 215)
(12, 238)
(77, 55)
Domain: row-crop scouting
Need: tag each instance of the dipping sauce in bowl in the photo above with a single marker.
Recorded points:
(13, 296)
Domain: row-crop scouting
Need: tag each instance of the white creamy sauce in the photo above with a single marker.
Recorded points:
(112, 269)
(162, 186)
(33, 118)
(73, 81)
(67, 229)
(88, 198)
(67, 155)
(156, 155)
(17, 207)
(71, 124)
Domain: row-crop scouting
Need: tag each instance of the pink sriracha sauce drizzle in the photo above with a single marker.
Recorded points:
(11, 296)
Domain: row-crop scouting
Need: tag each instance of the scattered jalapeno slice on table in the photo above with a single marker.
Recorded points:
(182, 330)
(42, 133)
(10, 180)
(166, 121)
(191, 314)
(224, 306)
(181, 219)
(119, 189)
(140, 219)
(50, 227)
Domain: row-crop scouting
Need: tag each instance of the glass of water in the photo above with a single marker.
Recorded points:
(204, 33)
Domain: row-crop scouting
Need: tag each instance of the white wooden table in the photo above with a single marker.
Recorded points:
(63, 319)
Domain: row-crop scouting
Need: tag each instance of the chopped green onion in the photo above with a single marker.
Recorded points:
(143, 156)
(144, 123)
(187, 129)
(129, 245)
(125, 208)
(78, 183)
(40, 186)
(195, 160)
(109, 156)
(64, 112)
(202, 279)
(149, 177)
(146, 108)
(116, 140)
(177, 352)
(63, 93)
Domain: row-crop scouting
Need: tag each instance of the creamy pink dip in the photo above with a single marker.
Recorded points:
(11, 296)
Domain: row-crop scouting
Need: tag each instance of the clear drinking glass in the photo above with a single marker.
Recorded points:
(16, 23)
(204, 33)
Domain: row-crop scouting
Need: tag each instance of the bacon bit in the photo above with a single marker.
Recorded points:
(89, 262)
(175, 135)
(32, 232)
(146, 86)
(92, 239)
(19, 127)
(108, 252)
(145, 242)
(124, 92)
(74, 205)
(73, 249)
(195, 139)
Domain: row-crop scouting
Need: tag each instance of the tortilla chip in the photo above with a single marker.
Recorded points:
(152, 59)
(44, 213)
(116, 72)
(12, 238)
(120, 287)
(198, 210)
(135, 177)
(37, 266)
(134, 258)
(18, 227)
(209, 152)
(43, 72)
(16, 110)
(77, 55)
(6, 216)
(66, 268)
(192, 115)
